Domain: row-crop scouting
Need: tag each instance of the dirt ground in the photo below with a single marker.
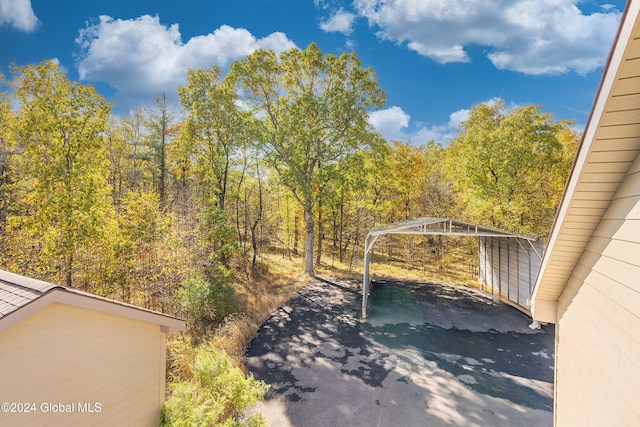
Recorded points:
(428, 355)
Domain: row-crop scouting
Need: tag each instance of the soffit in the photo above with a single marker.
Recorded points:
(610, 145)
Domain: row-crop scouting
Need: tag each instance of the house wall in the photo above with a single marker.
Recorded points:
(75, 359)
(508, 267)
(598, 331)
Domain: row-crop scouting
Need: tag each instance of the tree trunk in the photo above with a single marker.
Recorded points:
(296, 233)
(3, 199)
(163, 166)
(254, 244)
(69, 271)
(242, 238)
(320, 236)
(222, 196)
(356, 243)
(242, 234)
(308, 242)
(163, 119)
(222, 185)
(341, 257)
(254, 239)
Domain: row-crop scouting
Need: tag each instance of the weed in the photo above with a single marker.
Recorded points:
(216, 394)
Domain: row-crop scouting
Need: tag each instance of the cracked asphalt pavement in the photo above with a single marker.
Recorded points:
(427, 355)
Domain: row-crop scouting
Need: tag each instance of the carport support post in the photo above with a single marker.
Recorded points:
(368, 249)
(365, 285)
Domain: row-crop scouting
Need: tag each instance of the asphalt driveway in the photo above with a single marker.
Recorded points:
(428, 355)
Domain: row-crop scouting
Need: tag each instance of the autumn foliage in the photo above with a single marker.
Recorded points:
(171, 209)
(209, 213)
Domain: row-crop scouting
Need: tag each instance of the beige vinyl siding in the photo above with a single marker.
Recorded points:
(589, 283)
(599, 321)
(68, 354)
(596, 380)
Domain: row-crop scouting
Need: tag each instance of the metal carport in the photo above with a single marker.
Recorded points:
(508, 263)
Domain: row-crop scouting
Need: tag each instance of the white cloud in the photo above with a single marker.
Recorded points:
(443, 133)
(340, 21)
(447, 132)
(19, 14)
(394, 124)
(61, 67)
(390, 122)
(528, 36)
(277, 42)
(140, 57)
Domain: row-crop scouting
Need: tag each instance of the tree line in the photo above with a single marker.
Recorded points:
(275, 155)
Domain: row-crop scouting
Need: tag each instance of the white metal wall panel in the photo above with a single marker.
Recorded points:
(508, 267)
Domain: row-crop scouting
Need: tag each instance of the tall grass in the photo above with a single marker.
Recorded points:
(216, 393)
(260, 294)
(207, 385)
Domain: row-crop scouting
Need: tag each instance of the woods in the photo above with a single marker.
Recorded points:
(170, 209)
(219, 211)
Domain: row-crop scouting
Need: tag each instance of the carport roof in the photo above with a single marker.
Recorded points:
(437, 226)
(441, 226)
(430, 226)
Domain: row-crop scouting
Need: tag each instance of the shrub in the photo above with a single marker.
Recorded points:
(206, 303)
(217, 394)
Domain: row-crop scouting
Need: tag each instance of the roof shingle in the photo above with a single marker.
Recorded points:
(17, 291)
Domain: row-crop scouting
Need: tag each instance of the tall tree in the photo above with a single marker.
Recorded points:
(119, 158)
(314, 109)
(213, 126)
(436, 192)
(158, 120)
(133, 128)
(408, 166)
(61, 125)
(216, 127)
(503, 161)
(6, 154)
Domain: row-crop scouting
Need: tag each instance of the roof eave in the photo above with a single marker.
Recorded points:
(58, 294)
(545, 310)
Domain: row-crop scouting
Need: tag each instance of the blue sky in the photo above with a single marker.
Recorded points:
(435, 59)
